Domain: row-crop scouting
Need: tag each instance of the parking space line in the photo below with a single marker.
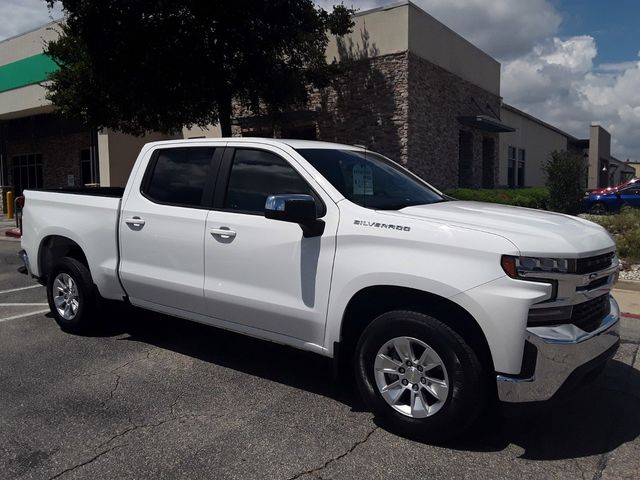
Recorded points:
(23, 304)
(20, 289)
(30, 314)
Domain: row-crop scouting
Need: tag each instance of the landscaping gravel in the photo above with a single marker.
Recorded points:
(630, 272)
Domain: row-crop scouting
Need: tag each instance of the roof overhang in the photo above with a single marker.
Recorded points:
(486, 124)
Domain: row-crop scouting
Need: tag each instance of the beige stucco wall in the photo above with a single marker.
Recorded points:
(27, 44)
(29, 100)
(438, 44)
(378, 32)
(599, 150)
(537, 140)
(405, 26)
(20, 102)
(117, 152)
(211, 131)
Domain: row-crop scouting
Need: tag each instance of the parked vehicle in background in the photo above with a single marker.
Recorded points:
(435, 306)
(611, 201)
(600, 191)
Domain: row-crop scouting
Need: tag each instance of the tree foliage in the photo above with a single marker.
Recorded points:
(565, 180)
(156, 65)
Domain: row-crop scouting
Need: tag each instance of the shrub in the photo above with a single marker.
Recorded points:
(537, 197)
(625, 228)
(565, 180)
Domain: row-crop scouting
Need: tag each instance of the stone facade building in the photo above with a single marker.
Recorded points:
(413, 90)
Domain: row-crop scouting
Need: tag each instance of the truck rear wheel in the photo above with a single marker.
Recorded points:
(418, 376)
(72, 296)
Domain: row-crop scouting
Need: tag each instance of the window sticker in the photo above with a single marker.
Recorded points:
(362, 180)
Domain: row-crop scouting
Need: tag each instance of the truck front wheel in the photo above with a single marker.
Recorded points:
(71, 295)
(418, 376)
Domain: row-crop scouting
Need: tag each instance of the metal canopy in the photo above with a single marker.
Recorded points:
(486, 124)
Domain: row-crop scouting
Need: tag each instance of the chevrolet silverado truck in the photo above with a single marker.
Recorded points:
(435, 306)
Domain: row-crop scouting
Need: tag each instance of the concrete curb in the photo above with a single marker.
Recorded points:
(10, 234)
(13, 232)
(627, 285)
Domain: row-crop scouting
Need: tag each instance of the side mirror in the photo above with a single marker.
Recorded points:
(295, 208)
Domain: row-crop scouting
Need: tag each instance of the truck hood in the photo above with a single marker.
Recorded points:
(533, 232)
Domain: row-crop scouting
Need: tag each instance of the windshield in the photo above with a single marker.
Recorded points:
(369, 179)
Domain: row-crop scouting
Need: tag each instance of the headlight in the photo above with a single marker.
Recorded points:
(513, 266)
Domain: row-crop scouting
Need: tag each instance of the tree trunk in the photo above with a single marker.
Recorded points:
(224, 107)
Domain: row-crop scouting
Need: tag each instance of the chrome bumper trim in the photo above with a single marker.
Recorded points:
(561, 350)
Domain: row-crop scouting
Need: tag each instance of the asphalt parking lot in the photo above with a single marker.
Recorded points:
(157, 397)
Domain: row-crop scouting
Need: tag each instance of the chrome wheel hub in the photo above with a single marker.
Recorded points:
(411, 377)
(65, 296)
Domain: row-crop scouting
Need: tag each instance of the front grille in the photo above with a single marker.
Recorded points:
(588, 315)
(593, 285)
(593, 264)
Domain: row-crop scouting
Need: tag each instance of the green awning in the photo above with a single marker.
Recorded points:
(28, 71)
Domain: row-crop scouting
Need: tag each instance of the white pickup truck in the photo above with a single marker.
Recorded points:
(434, 305)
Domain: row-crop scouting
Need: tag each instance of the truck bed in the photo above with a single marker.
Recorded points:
(86, 216)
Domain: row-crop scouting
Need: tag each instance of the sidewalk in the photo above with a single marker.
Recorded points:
(628, 299)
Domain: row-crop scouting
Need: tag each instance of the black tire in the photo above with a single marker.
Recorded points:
(626, 208)
(85, 318)
(467, 391)
(598, 208)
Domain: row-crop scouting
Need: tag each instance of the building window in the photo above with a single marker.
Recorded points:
(511, 167)
(521, 163)
(27, 172)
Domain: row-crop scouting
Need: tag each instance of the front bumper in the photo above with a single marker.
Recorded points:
(557, 352)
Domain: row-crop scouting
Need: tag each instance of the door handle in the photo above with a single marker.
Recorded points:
(223, 232)
(134, 221)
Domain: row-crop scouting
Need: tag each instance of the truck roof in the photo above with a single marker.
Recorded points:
(270, 141)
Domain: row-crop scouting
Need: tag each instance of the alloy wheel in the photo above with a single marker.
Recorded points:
(411, 377)
(65, 296)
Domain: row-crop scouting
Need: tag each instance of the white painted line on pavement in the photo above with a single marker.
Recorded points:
(20, 289)
(15, 317)
(23, 304)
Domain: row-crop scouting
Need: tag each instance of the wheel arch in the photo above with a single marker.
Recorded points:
(53, 248)
(372, 301)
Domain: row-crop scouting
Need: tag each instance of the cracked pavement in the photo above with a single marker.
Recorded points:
(156, 397)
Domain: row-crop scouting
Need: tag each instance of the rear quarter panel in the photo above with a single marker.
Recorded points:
(90, 221)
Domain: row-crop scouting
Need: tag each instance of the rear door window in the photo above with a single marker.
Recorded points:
(181, 176)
